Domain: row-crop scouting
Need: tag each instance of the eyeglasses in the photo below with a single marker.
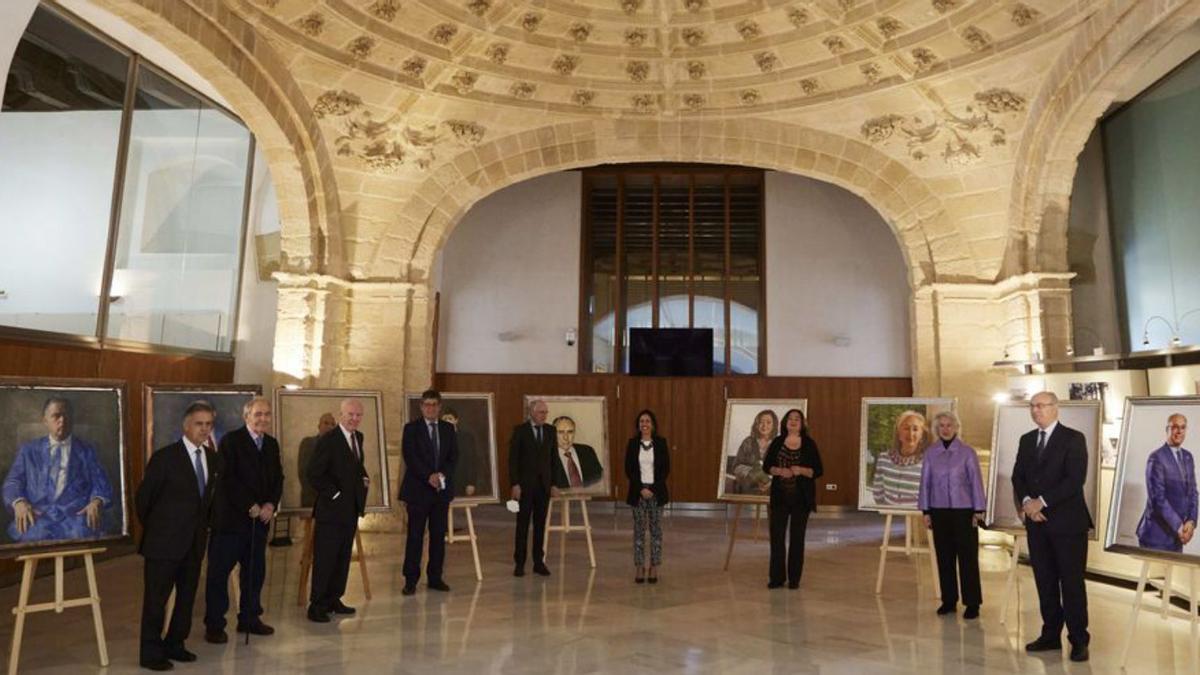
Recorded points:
(1039, 406)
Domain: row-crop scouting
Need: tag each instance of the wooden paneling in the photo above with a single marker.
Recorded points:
(691, 415)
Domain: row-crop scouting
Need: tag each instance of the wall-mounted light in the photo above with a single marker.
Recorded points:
(291, 387)
(571, 337)
(1001, 397)
(1174, 327)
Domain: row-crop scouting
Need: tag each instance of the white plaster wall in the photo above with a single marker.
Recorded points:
(834, 270)
(509, 282)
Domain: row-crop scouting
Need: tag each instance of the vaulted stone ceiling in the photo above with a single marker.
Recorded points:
(400, 88)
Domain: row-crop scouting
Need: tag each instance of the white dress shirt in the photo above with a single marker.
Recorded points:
(191, 449)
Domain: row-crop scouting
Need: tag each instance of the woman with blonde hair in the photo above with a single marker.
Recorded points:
(898, 468)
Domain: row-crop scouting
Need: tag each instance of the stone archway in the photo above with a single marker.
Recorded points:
(256, 82)
(1116, 41)
(933, 247)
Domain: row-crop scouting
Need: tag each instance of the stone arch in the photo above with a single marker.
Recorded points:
(1084, 81)
(256, 82)
(933, 247)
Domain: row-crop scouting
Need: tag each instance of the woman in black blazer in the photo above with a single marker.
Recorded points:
(794, 464)
(647, 465)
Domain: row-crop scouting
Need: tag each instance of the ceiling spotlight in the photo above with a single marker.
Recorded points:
(1175, 341)
(1146, 339)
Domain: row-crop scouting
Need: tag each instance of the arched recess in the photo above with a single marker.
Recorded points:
(1108, 49)
(933, 247)
(255, 81)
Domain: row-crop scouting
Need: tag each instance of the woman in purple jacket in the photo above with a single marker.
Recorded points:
(953, 502)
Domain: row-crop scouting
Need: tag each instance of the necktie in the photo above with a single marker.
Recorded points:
(55, 467)
(1041, 443)
(199, 466)
(354, 446)
(573, 471)
(537, 433)
(258, 442)
(433, 436)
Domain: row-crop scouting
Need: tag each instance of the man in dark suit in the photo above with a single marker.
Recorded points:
(575, 465)
(337, 473)
(173, 504)
(430, 452)
(242, 511)
(530, 452)
(1169, 521)
(1048, 480)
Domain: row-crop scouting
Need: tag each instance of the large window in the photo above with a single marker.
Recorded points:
(1152, 152)
(123, 193)
(673, 247)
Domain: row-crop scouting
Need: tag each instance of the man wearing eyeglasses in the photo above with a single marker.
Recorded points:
(1048, 481)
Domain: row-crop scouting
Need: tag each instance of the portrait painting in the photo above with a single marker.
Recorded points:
(163, 406)
(1011, 421)
(750, 426)
(581, 465)
(301, 417)
(1153, 510)
(893, 436)
(473, 417)
(62, 458)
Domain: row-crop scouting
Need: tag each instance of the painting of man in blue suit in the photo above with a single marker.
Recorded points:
(1169, 521)
(56, 488)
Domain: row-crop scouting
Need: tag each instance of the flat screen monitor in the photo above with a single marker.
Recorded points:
(671, 351)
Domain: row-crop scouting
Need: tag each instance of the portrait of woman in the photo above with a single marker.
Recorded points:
(898, 468)
(749, 477)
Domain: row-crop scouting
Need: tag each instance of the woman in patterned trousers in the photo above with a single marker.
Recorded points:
(647, 465)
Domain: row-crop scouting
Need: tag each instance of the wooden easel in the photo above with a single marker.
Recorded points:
(914, 525)
(733, 531)
(1166, 602)
(565, 525)
(306, 561)
(23, 607)
(1011, 587)
(452, 538)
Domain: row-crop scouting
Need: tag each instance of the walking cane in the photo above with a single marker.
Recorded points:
(253, 531)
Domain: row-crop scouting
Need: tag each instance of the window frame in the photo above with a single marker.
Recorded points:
(620, 309)
(98, 339)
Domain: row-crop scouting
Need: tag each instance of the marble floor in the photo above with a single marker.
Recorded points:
(698, 619)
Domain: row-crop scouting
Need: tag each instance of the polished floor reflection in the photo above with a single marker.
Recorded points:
(698, 619)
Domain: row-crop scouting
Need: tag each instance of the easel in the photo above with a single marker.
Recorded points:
(737, 516)
(452, 538)
(914, 524)
(1011, 587)
(23, 607)
(1166, 602)
(306, 561)
(565, 525)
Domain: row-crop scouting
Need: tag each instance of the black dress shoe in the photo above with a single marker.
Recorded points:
(256, 628)
(540, 569)
(180, 654)
(162, 664)
(1079, 653)
(438, 585)
(639, 579)
(518, 571)
(793, 585)
(408, 589)
(971, 612)
(1043, 644)
(946, 609)
(318, 615)
(774, 584)
(216, 637)
(341, 608)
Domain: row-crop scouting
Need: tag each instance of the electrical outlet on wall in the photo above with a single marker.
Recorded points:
(832, 487)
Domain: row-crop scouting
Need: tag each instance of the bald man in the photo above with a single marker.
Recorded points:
(338, 475)
(1048, 479)
(1169, 521)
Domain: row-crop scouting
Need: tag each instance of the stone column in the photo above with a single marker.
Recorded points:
(960, 330)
